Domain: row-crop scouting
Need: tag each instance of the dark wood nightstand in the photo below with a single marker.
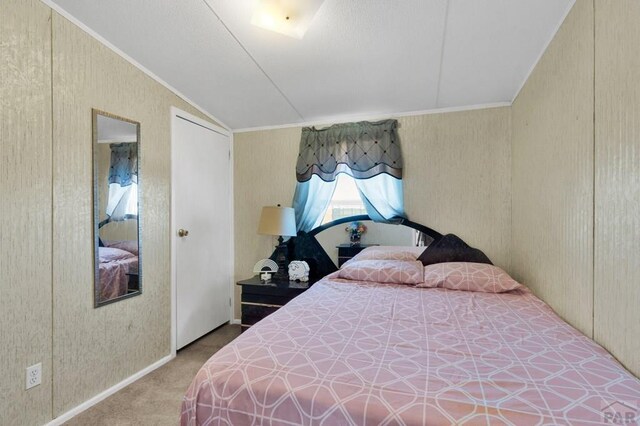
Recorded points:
(347, 251)
(261, 299)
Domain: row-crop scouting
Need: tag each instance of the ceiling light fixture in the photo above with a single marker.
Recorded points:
(289, 17)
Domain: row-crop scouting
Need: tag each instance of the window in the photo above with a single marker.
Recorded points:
(346, 200)
(123, 201)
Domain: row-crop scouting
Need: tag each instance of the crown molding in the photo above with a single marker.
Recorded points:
(370, 117)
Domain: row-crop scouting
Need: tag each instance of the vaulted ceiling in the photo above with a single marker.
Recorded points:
(358, 57)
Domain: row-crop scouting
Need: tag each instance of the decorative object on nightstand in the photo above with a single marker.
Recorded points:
(347, 251)
(355, 230)
(261, 299)
(281, 222)
(265, 268)
(299, 271)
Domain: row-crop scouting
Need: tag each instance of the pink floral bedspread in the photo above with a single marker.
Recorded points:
(356, 353)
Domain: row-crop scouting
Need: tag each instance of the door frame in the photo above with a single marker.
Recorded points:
(178, 114)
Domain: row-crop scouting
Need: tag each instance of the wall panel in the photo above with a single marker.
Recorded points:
(617, 180)
(94, 349)
(25, 209)
(457, 179)
(264, 175)
(552, 169)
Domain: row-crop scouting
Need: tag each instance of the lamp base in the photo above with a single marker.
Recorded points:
(282, 261)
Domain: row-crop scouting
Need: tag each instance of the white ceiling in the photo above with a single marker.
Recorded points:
(358, 57)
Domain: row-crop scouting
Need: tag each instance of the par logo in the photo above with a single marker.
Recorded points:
(620, 413)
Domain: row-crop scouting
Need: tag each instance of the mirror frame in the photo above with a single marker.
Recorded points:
(96, 215)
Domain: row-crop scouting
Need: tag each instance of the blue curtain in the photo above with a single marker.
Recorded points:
(383, 198)
(124, 163)
(123, 182)
(310, 202)
(369, 152)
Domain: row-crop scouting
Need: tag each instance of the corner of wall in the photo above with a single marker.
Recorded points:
(552, 167)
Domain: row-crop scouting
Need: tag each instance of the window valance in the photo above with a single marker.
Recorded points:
(124, 163)
(362, 150)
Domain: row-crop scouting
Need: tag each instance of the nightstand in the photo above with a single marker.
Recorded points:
(261, 299)
(347, 251)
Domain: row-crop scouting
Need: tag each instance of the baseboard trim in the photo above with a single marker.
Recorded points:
(235, 321)
(103, 395)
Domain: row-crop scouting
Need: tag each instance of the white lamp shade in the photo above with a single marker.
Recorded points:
(276, 220)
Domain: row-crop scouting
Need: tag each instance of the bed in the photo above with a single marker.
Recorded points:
(118, 261)
(356, 352)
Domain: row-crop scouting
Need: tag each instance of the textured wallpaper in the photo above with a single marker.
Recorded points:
(25, 209)
(94, 349)
(264, 175)
(457, 179)
(617, 181)
(46, 266)
(576, 185)
(552, 248)
(457, 176)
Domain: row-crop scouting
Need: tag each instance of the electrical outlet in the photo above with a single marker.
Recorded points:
(34, 375)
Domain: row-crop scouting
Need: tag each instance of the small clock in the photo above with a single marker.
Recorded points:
(299, 271)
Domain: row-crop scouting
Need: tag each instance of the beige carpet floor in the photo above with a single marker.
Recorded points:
(155, 399)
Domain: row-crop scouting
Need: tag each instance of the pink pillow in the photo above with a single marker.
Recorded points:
(389, 253)
(110, 254)
(468, 276)
(130, 246)
(383, 271)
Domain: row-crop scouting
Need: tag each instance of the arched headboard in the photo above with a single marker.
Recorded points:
(305, 246)
(405, 222)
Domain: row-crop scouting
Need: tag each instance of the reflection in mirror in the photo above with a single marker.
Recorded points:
(377, 234)
(116, 189)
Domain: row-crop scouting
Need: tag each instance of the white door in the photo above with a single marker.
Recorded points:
(201, 207)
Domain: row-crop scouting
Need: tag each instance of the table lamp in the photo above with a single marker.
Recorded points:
(281, 222)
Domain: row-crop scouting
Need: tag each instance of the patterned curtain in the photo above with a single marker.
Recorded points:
(362, 150)
(124, 163)
(122, 203)
(369, 152)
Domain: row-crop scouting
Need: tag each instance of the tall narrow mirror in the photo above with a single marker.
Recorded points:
(116, 208)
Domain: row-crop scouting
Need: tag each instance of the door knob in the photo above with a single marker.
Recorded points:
(182, 232)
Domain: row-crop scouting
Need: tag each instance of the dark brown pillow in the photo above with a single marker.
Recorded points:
(450, 248)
